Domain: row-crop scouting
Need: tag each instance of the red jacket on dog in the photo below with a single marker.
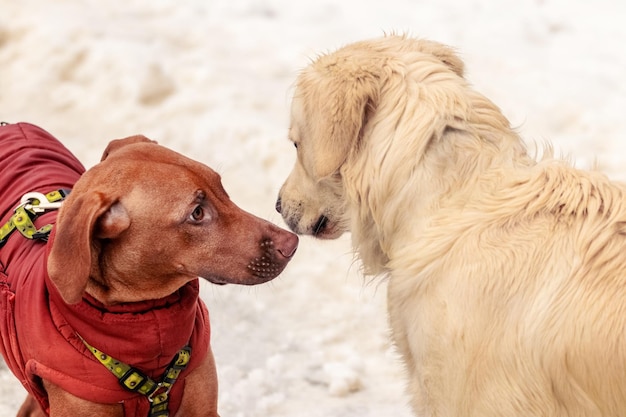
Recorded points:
(40, 332)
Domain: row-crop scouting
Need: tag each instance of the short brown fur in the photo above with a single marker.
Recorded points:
(141, 191)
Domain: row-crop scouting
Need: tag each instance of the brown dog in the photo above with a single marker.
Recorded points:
(121, 286)
(506, 274)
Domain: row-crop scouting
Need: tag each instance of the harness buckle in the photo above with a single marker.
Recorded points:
(134, 380)
(158, 396)
(38, 202)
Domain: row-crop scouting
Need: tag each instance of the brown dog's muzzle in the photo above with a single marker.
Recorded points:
(276, 252)
(254, 251)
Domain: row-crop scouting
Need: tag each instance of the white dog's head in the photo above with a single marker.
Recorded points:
(335, 105)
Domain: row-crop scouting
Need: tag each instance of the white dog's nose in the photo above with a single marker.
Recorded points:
(279, 206)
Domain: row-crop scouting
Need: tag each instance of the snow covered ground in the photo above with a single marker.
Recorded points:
(212, 79)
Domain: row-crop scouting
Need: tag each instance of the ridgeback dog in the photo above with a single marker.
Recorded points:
(100, 312)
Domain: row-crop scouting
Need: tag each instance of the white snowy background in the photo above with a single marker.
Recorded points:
(213, 78)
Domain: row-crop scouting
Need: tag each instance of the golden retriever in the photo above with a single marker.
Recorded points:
(506, 274)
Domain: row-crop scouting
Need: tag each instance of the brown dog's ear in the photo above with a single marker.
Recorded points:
(112, 222)
(118, 143)
(73, 250)
(339, 105)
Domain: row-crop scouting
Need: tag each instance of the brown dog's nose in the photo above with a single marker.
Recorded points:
(286, 243)
(279, 205)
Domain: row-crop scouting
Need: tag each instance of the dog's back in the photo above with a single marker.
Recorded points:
(31, 160)
(512, 303)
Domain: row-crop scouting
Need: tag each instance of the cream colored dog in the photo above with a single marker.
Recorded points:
(507, 275)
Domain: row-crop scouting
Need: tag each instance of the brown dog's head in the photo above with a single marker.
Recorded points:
(339, 99)
(146, 220)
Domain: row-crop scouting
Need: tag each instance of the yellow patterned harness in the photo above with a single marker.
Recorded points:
(134, 380)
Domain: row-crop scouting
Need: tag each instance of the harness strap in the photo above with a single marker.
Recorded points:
(134, 380)
(26, 212)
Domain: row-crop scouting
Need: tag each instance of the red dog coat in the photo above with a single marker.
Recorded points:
(39, 330)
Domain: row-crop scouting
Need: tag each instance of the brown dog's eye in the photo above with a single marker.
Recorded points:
(198, 214)
(295, 144)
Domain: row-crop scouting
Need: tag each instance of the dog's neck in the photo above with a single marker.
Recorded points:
(417, 168)
(111, 292)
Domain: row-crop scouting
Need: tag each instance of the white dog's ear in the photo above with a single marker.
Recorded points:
(337, 106)
(445, 54)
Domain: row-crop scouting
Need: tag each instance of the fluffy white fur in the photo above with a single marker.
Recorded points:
(507, 275)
